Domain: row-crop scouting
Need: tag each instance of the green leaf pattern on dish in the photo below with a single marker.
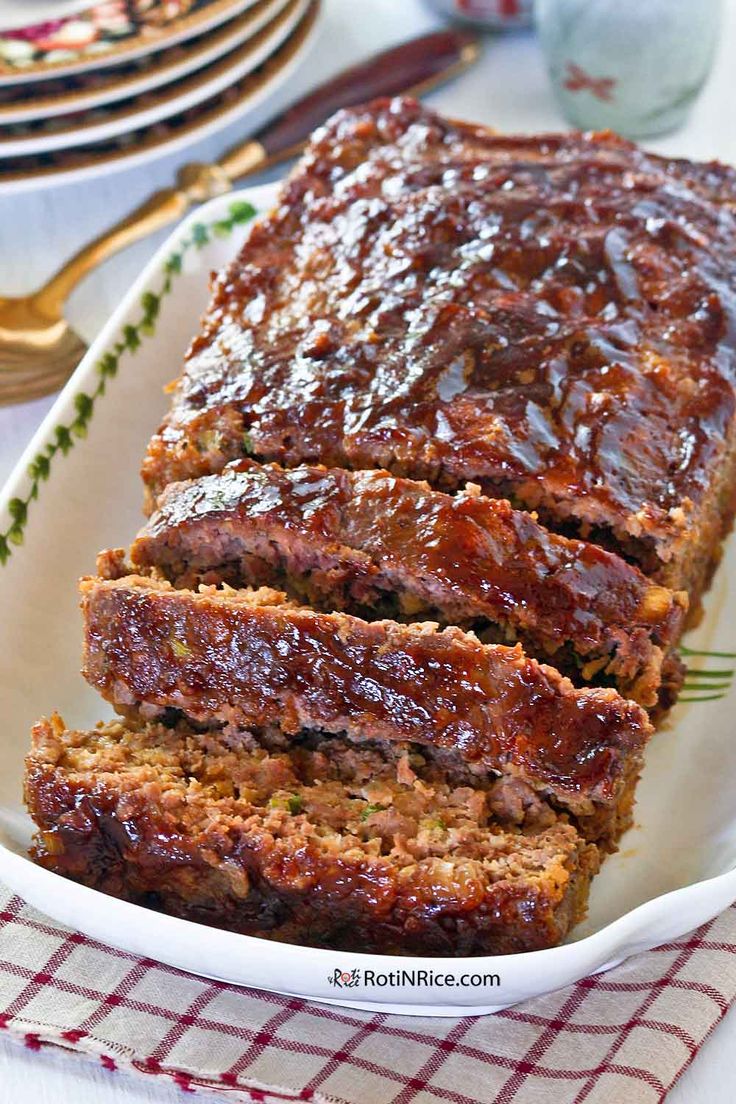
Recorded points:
(63, 437)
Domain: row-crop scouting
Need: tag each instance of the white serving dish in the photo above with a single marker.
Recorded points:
(675, 868)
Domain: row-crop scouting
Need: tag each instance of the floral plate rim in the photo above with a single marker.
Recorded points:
(139, 147)
(168, 65)
(103, 123)
(105, 51)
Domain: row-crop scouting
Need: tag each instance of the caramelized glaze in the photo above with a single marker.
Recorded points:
(177, 847)
(347, 540)
(225, 658)
(552, 316)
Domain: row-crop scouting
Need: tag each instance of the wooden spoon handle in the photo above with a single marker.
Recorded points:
(411, 67)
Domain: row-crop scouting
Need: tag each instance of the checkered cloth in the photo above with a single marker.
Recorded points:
(622, 1036)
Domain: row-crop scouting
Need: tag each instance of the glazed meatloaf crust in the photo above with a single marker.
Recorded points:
(549, 316)
(375, 545)
(366, 847)
(255, 659)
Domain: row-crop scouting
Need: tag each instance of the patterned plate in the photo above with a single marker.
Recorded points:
(100, 124)
(107, 33)
(21, 13)
(243, 101)
(36, 100)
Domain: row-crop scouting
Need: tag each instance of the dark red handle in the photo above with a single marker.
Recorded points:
(413, 65)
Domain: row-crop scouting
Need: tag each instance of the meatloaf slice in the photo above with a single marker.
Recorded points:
(550, 316)
(376, 545)
(366, 847)
(238, 657)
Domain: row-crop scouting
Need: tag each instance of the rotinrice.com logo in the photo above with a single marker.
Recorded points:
(344, 979)
(349, 979)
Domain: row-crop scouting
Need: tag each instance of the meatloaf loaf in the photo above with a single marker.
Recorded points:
(255, 659)
(369, 847)
(375, 545)
(550, 316)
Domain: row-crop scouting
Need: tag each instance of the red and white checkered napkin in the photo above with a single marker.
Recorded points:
(626, 1035)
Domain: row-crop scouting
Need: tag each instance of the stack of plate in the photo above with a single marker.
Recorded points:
(89, 87)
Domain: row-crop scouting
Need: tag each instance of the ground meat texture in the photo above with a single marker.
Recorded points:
(376, 545)
(550, 316)
(226, 657)
(302, 844)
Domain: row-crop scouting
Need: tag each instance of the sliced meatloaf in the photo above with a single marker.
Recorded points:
(376, 545)
(242, 658)
(550, 316)
(369, 847)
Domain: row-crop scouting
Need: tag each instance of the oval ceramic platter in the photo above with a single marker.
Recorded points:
(26, 103)
(100, 124)
(246, 101)
(76, 490)
(106, 34)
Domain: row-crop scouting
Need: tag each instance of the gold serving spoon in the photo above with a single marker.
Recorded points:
(38, 348)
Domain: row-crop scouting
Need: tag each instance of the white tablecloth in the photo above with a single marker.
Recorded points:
(509, 90)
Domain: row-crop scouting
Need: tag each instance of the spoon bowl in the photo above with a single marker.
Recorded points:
(38, 348)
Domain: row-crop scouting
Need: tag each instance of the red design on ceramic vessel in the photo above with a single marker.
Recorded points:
(579, 81)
